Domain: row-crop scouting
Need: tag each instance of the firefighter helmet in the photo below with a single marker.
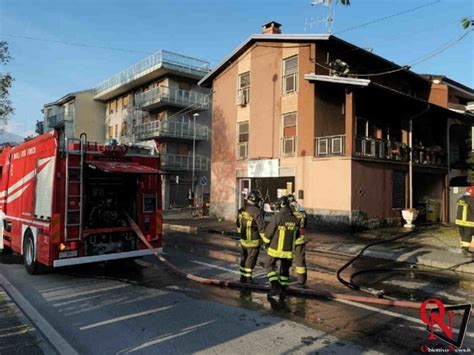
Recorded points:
(470, 191)
(254, 198)
(283, 201)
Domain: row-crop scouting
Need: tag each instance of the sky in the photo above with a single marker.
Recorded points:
(110, 35)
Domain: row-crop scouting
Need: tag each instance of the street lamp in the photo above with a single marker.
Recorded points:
(196, 115)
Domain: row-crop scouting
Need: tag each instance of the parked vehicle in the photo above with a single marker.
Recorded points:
(67, 203)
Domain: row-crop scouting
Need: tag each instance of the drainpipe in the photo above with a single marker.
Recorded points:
(410, 164)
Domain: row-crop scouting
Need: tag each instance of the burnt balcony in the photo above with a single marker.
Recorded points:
(161, 96)
(175, 128)
(175, 162)
(385, 149)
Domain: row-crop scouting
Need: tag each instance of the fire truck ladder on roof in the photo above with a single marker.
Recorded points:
(73, 209)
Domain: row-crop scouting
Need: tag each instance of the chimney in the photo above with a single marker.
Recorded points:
(271, 28)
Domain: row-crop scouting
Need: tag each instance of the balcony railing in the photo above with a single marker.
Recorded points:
(184, 162)
(172, 96)
(159, 59)
(381, 149)
(391, 150)
(178, 128)
(58, 119)
(329, 146)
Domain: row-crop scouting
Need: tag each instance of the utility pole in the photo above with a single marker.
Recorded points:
(410, 164)
(196, 115)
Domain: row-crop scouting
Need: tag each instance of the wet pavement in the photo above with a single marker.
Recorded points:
(380, 329)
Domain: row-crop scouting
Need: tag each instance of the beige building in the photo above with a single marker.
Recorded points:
(157, 102)
(74, 114)
(310, 114)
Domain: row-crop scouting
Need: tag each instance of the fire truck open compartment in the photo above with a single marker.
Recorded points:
(110, 196)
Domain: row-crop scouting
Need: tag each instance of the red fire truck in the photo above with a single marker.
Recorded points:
(68, 202)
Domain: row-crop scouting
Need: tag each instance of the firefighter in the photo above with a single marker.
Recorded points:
(300, 247)
(282, 233)
(465, 219)
(251, 228)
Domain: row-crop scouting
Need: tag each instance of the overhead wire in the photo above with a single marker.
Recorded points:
(387, 17)
(77, 44)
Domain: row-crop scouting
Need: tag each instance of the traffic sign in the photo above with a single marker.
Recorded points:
(203, 181)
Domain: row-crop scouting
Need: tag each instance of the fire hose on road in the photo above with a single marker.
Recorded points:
(257, 287)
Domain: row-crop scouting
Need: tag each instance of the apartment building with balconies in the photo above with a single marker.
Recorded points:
(74, 114)
(322, 118)
(157, 102)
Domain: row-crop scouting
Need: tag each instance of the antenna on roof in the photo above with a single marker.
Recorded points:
(329, 19)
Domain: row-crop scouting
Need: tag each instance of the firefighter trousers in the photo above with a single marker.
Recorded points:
(300, 263)
(280, 276)
(248, 260)
(466, 234)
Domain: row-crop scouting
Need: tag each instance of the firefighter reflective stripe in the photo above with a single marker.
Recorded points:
(280, 254)
(245, 271)
(464, 223)
(283, 280)
(300, 270)
(250, 243)
(464, 211)
(265, 239)
(281, 237)
(272, 276)
(465, 244)
(300, 240)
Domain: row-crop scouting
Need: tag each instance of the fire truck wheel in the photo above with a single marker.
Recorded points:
(31, 265)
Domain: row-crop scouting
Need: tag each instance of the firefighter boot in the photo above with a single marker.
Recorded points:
(302, 279)
(275, 291)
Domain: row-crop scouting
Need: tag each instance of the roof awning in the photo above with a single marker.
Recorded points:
(337, 80)
(122, 167)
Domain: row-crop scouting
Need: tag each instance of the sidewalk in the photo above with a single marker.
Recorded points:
(434, 246)
(16, 335)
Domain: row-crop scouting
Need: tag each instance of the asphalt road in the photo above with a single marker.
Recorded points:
(143, 308)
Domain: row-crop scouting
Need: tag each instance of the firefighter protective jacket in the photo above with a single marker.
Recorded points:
(251, 226)
(284, 235)
(465, 212)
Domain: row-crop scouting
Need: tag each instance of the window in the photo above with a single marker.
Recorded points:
(111, 106)
(289, 134)
(116, 131)
(124, 128)
(290, 75)
(110, 132)
(125, 102)
(243, 91)
(242, 145)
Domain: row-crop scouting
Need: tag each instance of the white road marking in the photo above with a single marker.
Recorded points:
(216, 267)
(67, 294)
(393, 314)
(167, 337)
(41, 324)
(119, 319)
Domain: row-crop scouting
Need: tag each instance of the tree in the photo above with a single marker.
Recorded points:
(6, 80)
